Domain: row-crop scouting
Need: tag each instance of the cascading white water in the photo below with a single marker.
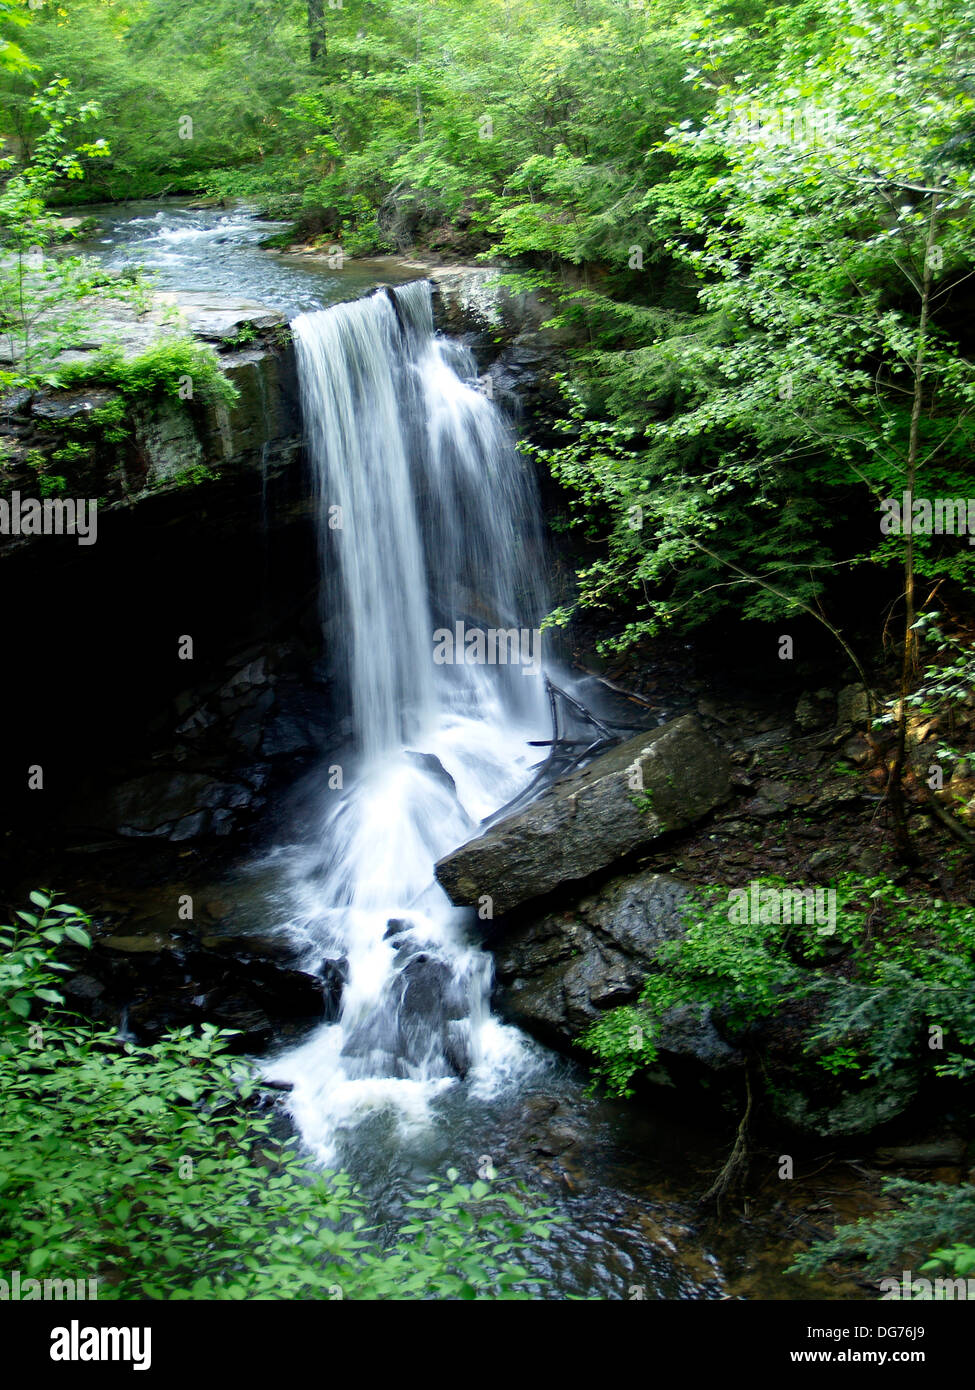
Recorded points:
(427, 517)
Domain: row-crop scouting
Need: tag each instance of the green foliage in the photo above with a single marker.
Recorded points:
(947, 681)
(174, 368)
(27, 966)
(736, 450)
(930, 1217)
(942, 694)
(894, 968)
(152, 63)
(167, 368)
(190, 477)
(51, 484)
(750, 287)
(150, 1169)
(958, 1260)
(12, 57)
(39, 293)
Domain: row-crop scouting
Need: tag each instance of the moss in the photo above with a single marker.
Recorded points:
(177, 367)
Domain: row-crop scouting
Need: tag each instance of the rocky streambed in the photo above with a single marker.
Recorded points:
(777, 796)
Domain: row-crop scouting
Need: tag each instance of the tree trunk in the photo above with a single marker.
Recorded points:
(317, 43)
(419, 102)
(894, 794)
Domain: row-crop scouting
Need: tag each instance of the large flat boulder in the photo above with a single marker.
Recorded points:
(657, 782)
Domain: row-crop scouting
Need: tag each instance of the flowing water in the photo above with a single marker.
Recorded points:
(427, 517)
(213, 251)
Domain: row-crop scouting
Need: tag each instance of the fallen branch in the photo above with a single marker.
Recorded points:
(618, 689)
(559, 749)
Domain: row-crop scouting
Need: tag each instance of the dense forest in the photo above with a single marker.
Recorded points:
(751, 232)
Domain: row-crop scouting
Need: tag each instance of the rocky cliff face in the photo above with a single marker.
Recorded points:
(205, 531)
(519, 355)
(198, 603)
(558, 971)
(99, 441)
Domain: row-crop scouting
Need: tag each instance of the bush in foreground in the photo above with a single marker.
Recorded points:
(148, 1169)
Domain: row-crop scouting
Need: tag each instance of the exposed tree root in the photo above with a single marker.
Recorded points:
(732, 1176)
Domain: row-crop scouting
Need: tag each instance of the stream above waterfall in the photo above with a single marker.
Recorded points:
(218, 251)
(432, 500)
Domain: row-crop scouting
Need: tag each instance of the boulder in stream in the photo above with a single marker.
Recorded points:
(657, 782)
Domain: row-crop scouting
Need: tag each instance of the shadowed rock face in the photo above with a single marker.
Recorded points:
(654, 783)
(166, 441)
(558, 973)
(157, 982)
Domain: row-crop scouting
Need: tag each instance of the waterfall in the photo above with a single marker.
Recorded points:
(429, 533)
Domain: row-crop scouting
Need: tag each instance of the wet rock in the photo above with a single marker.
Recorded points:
(256, 776)
(70, 405)
(808, 832)
(189, 827)
(15, 402)
(836, 791)
(82, 988)
(457, 1047)
(815, 710)
(558, 1136)
(137, 945)
(334, 975)
(247, 678)
(422, 1022)
(199, 720)
(242, 983)
(688, 1032)
(426, 986)
(558, 973)
(870, 862)
(775, 797)
(540, 1107)
(657, 782)
(852, 706)
(949, 1151)
(171, 805)
(735, 828)
(766, 741)
(217, 317)
(167, 440)
(822, 859)
(376, 1040)
(857, 750)
(431, 764)
(299, 723)
(247, 729)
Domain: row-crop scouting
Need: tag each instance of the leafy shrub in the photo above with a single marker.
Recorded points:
(907, 965)
(26, 966)
(928, 1216)
(148, 1169)
(162, 370)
